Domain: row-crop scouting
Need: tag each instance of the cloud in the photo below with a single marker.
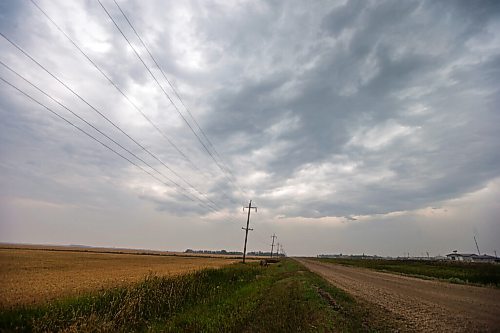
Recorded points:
(320, 110)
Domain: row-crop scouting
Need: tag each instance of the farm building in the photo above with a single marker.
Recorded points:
(470, 257)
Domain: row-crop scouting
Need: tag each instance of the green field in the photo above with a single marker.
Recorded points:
(476, 273)
(283, 297)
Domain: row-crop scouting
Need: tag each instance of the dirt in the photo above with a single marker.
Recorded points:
(30, 276)
(423, 305)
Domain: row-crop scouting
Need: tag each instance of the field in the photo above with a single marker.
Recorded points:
(283, 297)
(68, 289)
(476, 273)
(34, 276)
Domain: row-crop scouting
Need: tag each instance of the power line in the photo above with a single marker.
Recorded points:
(225, 167)
(260, 238)
(89, 124)
(97, 111)
(176, 186)
(174, 183)
(88, 134)
(101, 132)
(122, 93)
(166, 94)
(130, 101)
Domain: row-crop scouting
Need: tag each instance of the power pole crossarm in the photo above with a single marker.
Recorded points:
(250, 207)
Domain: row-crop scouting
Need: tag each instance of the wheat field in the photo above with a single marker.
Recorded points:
(34, 276)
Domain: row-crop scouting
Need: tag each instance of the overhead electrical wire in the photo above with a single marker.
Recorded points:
(167, 95)
(98, 112)
(88, 134)
(225, 168)
(177, 94)
(93, 137)
(162, 133)
(115, 85)
(98, 130)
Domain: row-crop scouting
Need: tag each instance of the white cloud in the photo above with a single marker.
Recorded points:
(380, 136)
(322, 111)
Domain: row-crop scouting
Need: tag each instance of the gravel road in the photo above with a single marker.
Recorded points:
(423, 305)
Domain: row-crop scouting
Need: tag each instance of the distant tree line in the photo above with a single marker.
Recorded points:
(264, 254)
(234, 253)
(214, 252)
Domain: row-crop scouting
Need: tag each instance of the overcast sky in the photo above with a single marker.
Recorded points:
(355, 127)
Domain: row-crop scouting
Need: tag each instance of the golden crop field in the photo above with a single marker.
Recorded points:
(34, 276)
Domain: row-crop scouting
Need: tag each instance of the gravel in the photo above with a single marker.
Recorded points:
(422, 305)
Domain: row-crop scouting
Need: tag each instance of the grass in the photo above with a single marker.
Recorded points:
(237, 298)
(455, 272)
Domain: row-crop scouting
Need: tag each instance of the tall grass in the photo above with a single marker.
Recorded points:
(128, 309)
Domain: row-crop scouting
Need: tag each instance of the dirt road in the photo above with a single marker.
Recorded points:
(422, 305)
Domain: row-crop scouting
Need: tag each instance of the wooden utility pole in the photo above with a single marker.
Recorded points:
(272, 245)
(478, 252)
(246, 229)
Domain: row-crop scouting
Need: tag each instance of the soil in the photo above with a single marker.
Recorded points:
(422, 305)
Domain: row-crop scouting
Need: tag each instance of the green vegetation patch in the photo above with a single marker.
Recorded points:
(283, 297)
(455, 272)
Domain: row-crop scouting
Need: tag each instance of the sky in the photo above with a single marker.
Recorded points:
(354, 126)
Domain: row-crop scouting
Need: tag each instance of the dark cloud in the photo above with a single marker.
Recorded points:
(320, 109)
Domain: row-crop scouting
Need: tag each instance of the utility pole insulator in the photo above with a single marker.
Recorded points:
(250, 207)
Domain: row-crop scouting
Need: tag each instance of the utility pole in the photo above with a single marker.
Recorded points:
(272, 245)
(246, 229)
(477, 246)
(278, 250)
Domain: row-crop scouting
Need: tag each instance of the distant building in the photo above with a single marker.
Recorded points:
(461, 256)
(486, 258)
(471, 257)
(347, 256)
